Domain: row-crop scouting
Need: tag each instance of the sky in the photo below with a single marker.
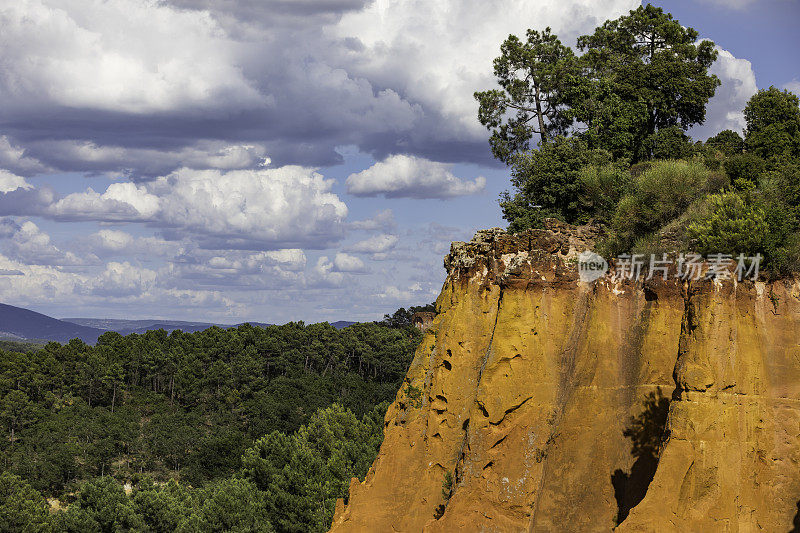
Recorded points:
(277, 160)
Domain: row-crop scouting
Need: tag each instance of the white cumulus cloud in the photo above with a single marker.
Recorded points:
(374, 245)
(119, 55)
(439, 53)
(119, 202)
(348, 263)
(11, 182)
(272, 208)
(793, 86)
(403, 176)
(28, 244)
(737, 85)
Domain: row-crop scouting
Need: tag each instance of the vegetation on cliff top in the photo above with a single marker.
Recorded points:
(613, 147)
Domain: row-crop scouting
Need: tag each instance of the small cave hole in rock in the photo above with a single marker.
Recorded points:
(646, 432)
(446, 364)
(650, 295)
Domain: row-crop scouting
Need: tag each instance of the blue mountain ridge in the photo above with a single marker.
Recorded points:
(17, 323)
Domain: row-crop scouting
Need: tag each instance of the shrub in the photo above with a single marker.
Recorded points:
(668, 188)
(716, 182)
(660, 194)
(601, 188)
(744, 170)
(732, 224)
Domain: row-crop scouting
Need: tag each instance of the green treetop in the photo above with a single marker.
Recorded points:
(533, 76)
(773, 125)
(647, 72)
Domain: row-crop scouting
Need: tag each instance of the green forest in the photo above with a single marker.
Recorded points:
(613, 149)
(244, 429)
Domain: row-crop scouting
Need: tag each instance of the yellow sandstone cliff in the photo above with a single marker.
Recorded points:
(537, 402)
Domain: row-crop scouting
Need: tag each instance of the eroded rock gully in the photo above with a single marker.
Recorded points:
(555, 405)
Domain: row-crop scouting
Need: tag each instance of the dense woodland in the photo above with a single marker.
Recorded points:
(261, 427)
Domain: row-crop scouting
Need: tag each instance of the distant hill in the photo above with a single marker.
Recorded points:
(20, 324)
(23, 325)
(126, 327)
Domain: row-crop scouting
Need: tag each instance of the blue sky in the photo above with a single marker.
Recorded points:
(273, 161)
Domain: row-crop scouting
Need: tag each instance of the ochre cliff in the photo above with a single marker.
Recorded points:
(557, 405)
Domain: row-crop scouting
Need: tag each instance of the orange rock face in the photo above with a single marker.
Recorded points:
(537, 402)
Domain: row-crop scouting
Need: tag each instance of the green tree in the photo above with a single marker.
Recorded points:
(728, 142)
(101, 505)
(302, 475)
(187, 405)
(162, 509)
(532, 76)
(16, 411)
(232, 505)
(548, 183)
(22, 509)
(784, 183)
(670, 143)
(773, 124)
(647, 71)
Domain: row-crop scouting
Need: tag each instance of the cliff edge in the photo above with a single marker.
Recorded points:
(538, 402)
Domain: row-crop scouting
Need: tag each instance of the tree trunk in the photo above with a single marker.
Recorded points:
(540, 115)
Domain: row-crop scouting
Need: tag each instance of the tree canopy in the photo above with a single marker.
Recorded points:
(642, 72)
(534, 77)
(639, 74)
(244, 429)
(773, 125)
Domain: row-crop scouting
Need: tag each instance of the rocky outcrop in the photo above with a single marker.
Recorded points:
(422, 320)
(538, 402)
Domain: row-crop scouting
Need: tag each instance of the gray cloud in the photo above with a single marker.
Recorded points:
(296, 78)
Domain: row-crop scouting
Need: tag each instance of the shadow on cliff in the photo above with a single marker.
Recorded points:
(796, 521)
(646, 432)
